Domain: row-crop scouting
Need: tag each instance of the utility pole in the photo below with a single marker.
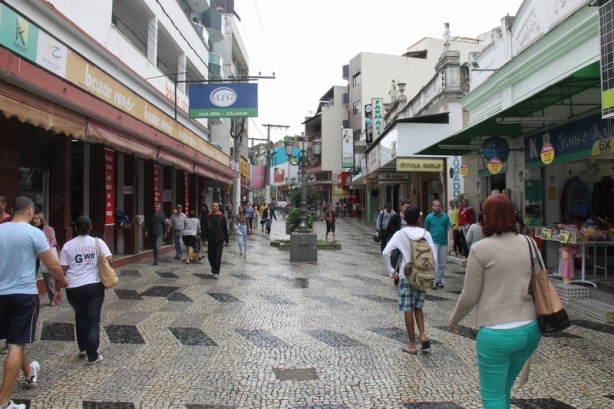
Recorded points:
(267, 171)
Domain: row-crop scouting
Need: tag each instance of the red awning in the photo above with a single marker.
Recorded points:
(121, 140)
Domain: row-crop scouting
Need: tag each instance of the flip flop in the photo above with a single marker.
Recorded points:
(407, 351)
(426, 346)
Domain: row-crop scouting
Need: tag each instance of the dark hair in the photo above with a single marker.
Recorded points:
(192, 213)
(412, 215)
(499, 215)
(406, 201)
(3, 198)
(22, 204)
(481, 218)
(83, 224)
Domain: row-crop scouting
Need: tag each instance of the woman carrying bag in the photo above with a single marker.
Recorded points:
(53, 287)
(499, 271)
(85, 292)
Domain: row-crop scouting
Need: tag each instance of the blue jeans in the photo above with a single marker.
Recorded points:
(177, 239)
(156, 241)
(242, 238)
(501, 354)
(268, 225)
(87, 302)
(442, 257)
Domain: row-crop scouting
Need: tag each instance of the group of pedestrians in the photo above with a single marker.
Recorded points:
(498, 274)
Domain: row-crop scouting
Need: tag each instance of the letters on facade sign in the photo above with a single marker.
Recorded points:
(419, 165)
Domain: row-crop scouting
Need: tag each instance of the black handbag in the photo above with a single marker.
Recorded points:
(551, 315)
(376, 237)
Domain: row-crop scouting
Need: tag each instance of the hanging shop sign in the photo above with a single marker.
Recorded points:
(157, 184)
(186, 183)
(393, 178)
(377, 117)
(223, 100)
(585, 138)
(109, 186)
(368, 124)
(495, 147)
(244, 168)
(495, 165)
(464, 168)
(347, 148)
(606, 26)
(547, 154)
(419, 165)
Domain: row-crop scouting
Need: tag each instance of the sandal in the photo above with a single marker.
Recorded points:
(426, 346)
(408, 351)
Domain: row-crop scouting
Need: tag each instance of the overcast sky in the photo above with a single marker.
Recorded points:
(306, 43)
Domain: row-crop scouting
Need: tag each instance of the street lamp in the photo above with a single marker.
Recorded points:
(291, 182)
(302, 162)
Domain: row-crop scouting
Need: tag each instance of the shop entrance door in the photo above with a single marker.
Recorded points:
(34, 183)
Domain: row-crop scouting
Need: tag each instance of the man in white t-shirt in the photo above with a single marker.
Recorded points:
(20, 243)
(282, 205)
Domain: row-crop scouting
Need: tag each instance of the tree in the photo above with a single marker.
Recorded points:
(312, 196)
(288, 138)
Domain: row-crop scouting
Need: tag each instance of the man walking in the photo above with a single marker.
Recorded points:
(381, 224)
(215, 230)
(20, 244)
(358, 210)
(396, 223)
(155, 227)
(178, 220)
(282, 205)
(438, 224)
(268, 217)
(411, 300)
(330, 217)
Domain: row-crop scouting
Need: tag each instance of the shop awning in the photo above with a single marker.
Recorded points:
(32, 109)
(202, 171)
(572, 97)
(121, 140)
(178, 161)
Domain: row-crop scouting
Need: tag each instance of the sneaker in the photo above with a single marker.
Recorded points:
(216, 276)
(82, 354)
(155, 263)
(13, 405)
(97, 361)
(34, 368)
(439, 284)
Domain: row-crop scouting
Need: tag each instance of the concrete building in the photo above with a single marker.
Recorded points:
(95, 100)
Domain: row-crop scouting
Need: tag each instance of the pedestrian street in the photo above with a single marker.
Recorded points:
(274, 334)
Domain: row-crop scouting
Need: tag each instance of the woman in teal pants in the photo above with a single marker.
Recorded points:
(496, 284)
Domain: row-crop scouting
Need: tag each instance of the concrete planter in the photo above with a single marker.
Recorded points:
(321, 246)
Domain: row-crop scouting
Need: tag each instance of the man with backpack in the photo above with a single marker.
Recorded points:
(396, 223)
(416, 274)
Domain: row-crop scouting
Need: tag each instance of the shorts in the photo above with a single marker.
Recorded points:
(18, 318)
(330, 227)
(410, 297)
(189, 241)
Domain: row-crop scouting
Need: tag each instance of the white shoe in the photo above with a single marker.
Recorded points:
(34, 368)
(13, 405)
(97, 361)
(82, 354)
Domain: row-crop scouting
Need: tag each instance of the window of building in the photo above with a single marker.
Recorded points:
(357, 109)
(131, 18)
(357, 80)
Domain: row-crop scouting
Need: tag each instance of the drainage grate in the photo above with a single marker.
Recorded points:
(295, 374)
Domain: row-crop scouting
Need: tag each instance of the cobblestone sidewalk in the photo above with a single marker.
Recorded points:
(274, 334)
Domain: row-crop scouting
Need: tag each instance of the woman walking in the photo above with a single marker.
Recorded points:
(55, 297)
(189, 234)
(85, 293)
(496, 284)
(242, 229)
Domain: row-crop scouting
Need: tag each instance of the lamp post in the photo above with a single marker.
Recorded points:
(302, 162)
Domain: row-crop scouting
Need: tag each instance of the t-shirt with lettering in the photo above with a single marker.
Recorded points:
(79, 254)
(20, 242)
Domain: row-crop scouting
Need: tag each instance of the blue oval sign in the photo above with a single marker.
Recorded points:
(495, 147)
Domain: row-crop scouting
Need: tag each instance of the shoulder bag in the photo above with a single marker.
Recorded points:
(551, 315)
(107, 274)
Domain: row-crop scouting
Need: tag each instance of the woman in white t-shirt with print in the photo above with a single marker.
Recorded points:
(85, 292)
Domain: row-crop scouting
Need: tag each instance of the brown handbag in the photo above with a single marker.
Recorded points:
(107, 274)
(551, 315)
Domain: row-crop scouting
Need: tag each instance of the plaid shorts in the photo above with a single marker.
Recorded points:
(410, 297)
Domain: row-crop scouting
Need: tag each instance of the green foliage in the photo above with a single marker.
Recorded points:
(294, 218)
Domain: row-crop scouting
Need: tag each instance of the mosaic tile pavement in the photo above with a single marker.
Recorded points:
(275, 334)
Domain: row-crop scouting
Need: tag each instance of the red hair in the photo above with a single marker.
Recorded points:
(499, 216)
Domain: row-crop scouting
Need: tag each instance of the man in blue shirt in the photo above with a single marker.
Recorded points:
(20, 243)
(438, 224)
(155, 226)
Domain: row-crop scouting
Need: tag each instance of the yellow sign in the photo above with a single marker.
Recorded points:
(603, 146)
(244, 168)
(546, 234)
(419, 165)
(495, 165)
(95, 81)
(564, 236)
(464, 168)
(547, 154)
